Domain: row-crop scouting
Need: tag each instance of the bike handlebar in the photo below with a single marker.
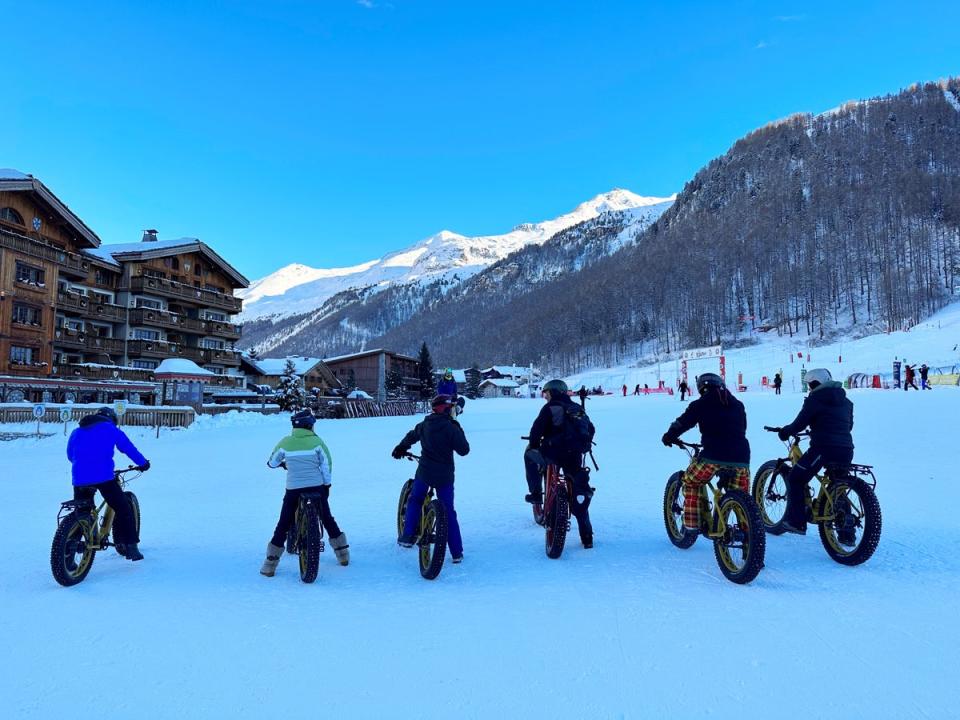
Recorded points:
(685, 445)
(798, 435)
(411, 456)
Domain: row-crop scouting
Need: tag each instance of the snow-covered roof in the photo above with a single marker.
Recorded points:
(11, 174)
(359, 394)
(276, 366)
(364, 353)
(513, 370)
(500, 383)
(148, 249)
(181, 366)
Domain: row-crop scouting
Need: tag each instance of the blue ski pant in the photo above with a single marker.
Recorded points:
(411, 520)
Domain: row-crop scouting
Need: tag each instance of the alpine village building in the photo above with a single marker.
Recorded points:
(86, 322)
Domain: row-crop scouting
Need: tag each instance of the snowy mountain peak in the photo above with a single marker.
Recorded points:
(298, 288)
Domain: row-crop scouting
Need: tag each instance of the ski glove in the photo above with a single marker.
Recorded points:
(783, 434)
(398, 452)
(667, 440)
(144, 467)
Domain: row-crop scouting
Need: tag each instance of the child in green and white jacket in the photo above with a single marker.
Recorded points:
(309, 465)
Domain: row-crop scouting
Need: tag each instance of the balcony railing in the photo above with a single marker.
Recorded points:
(91, 308)
(161, 318)
(42, 251)
(77, 339)
(88, 372)
(162, 349)
(187, 293)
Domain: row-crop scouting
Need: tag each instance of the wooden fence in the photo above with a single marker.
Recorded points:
(135, 416)
(371, 408)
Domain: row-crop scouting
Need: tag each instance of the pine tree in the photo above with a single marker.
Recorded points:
(394, 384)
(291, 394)
(427, 381)
(473, 377)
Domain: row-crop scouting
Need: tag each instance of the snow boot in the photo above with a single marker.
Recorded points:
(341, 548)
(534, 498)
(274, 552)
(130, 551)
(457, 559)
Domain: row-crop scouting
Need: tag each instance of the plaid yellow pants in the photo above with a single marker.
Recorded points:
(698, 475)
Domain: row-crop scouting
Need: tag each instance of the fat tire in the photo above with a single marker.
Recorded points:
(66, 532)
(756, 538)
(761, 480)
(673, 494)
(872, 524)
(402, 505)
(555, 521)
(432, 554)
(309, 547)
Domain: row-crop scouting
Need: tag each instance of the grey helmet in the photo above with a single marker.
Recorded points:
(817, 376)
(558, 387)
(709, 380)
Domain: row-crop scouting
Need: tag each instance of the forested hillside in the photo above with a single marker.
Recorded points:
(812, 224)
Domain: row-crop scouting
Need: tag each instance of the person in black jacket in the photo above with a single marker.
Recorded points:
(829, 414)
(548, 445)
(723, 428)
(439, 435)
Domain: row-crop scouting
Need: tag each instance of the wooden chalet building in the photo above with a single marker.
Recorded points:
(268, 371)
(368, 371)
(79, 320)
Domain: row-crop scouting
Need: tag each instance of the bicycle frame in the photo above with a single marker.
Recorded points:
(102, 525)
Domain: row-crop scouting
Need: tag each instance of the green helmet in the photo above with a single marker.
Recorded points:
(558, 387)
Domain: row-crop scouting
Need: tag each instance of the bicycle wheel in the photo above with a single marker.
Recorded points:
(856, 514)
(740, 552)
(770, 494)
(556, 519)
(673, 512)
(402, 505)
(308, 543)
(433, 540)
(135, 507)
(73, 549)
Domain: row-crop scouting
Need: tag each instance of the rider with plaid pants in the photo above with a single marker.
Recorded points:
(723, 427)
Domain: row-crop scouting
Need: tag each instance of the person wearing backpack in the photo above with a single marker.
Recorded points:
(723, 429)
(561, 435)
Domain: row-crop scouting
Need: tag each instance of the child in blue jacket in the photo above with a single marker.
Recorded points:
(90, 450)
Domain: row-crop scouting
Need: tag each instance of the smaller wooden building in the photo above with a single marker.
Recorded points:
(368, 371)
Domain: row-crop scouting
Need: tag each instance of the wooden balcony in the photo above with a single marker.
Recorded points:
(33, 248)
(83, 305)
(86, 342)
(185, 293)
(90, 372)
(202, 356)
(173, 321)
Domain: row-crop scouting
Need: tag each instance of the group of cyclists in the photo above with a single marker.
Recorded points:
(560, 435)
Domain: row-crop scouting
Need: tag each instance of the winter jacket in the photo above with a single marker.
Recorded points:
(90, 450)
(547, 431)
(447, 387)
(829, 414)
(307, 457)
(439, 436)
(723, 428)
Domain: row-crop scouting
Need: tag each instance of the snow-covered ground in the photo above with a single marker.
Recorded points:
(935, 342)
(632, 628)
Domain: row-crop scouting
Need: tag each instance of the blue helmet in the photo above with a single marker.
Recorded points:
(303, 419)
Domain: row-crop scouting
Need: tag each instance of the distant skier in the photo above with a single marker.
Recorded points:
(583, 396)
(924, 377)
(636, 390)
(910, 375)
(447, 386)
(624, 389)
(684, 390)
(777, 382)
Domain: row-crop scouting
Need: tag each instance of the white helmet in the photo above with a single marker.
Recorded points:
(817, 376)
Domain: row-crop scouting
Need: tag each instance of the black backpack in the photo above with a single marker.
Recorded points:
(577, 431)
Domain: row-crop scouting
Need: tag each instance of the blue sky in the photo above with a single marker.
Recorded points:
(331, 131)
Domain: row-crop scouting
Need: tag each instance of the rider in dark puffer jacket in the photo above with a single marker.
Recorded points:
(829, 414)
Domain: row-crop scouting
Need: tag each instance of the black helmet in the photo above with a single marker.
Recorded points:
(707, 381)
(108, 413)
(303, 419)
(555, 387)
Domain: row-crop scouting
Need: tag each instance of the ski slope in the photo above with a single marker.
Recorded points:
(633, 628)
(936, 342)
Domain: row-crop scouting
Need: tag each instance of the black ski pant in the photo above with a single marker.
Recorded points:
(535, 463)
(800, 475)
(291, 498)
(124, 524)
